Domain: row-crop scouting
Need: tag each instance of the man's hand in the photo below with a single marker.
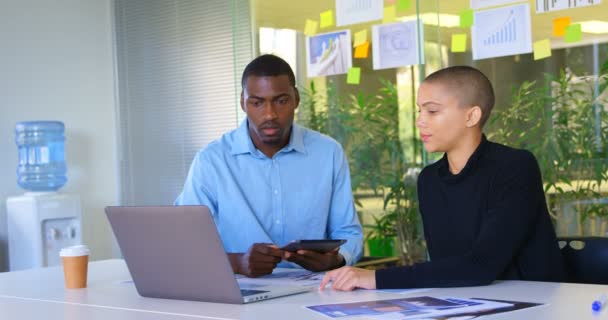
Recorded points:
(315, 261)
(259, 260)
(349, 278)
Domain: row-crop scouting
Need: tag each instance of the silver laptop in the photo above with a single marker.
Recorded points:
(175, 252)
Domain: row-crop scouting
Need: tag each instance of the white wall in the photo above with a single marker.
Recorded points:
(56, 63)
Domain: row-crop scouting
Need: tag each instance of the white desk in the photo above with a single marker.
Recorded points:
(25, 309)
(108, 296)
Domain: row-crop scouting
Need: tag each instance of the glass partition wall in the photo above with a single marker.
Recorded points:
(556, 107)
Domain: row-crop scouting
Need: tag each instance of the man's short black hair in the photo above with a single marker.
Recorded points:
(470, 85)
(268, 65)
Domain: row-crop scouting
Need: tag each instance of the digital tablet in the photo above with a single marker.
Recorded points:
(314, 245)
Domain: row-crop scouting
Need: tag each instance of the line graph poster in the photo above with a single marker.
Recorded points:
(502, 31)
(328, 54)
(396, 45)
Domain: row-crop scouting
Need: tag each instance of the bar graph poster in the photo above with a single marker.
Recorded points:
(396, 45)
(328, 54)
(358, 11)
(554, 5)
(479, 4)
(502, 31)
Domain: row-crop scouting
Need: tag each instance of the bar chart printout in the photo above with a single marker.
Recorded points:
(502, 32)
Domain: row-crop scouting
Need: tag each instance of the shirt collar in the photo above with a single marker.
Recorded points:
(243, 143)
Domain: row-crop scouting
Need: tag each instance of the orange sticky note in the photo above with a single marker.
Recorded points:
(559, 26)
(362, 51)
(311, 27)
(327, 19)
(542, 49)
(459, 42)
(390, 13)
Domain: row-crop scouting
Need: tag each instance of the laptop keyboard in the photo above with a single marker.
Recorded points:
(248, 292)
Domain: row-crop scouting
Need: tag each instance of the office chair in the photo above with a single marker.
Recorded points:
(585, 258)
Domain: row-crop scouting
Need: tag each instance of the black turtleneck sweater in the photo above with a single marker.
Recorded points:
(488, 222)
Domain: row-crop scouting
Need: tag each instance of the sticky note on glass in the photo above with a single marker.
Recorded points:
(390, 1)
(559, 26)
(362, 51)
(459, 42)
(404, 4)
(327, 19)
(360, 38)
(574, 33)
(542, 49)
(390, 13)
(354, 76)
(311, 27)
(466, 18)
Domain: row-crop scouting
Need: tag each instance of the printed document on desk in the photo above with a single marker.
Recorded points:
(407, 308)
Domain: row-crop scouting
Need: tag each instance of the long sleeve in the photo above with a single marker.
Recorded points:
(343, 220)
(197, 188)
(505, 224)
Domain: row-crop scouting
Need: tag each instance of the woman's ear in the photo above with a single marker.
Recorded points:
(474, 116)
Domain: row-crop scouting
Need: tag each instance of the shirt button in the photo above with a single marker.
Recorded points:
(278, 222)
(276, 191)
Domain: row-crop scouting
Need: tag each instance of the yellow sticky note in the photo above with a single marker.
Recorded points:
(459, 42)
(390, 13)
(542, 49)
(311, 27)
(362, 51)
(360, 38)
(559, 26)
(327, 19)
(354, 76)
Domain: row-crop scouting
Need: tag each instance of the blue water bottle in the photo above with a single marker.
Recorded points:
(41, 155)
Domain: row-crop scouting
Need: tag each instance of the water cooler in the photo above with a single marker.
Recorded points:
(39, 225)
(41, 221)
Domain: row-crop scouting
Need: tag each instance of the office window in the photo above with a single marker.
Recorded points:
(178, 65)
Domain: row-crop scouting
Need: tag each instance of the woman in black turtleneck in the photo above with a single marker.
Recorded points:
(482, 205)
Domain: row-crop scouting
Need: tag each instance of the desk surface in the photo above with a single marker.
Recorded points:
(110, 295)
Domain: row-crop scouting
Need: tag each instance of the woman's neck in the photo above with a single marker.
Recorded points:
(459, 156)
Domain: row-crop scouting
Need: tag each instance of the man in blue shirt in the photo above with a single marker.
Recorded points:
(270, 181)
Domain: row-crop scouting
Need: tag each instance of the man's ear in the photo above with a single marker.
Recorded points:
(474, 116)
(243, 102)
(297, 97)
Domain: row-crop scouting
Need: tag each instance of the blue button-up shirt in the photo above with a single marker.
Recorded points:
(302, 192)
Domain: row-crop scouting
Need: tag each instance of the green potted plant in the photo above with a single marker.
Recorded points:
(367, 126)
(561, 122)
(381, 235)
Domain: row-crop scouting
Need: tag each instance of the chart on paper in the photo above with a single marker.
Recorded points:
(554, 5)
(501, 32)
(507, 32)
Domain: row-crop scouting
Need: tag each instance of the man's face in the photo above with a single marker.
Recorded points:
(270, 103)
(441, 120)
